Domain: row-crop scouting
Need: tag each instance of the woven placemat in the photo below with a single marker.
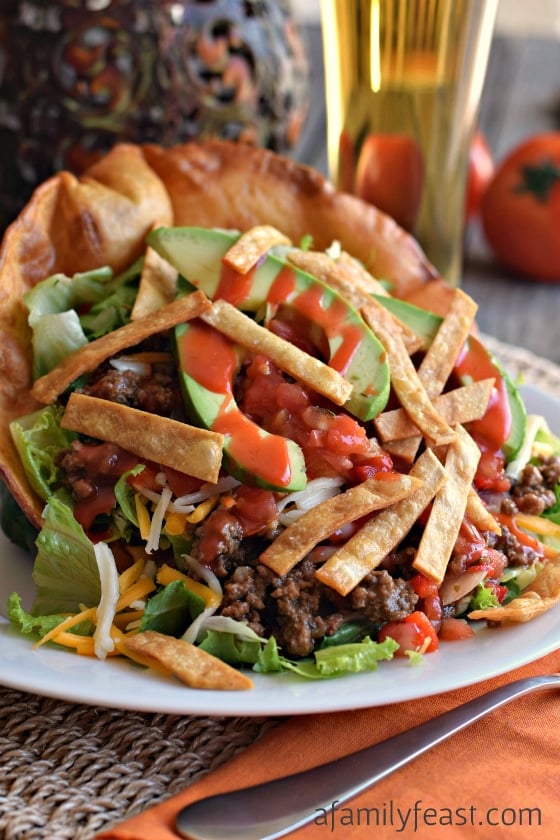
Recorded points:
(68, 771)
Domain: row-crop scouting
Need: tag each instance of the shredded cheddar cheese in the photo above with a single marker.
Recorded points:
(131, 575)
(142, 516)
(202, 510)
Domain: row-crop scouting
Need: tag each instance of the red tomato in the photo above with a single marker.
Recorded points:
(480, 172)
(415, 632)
(521, 209)
(474, 364)
(423, 586)
(455, 630)
(256, 509)
(390, 175)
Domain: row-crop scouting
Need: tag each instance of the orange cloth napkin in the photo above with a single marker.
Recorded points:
(498, 778)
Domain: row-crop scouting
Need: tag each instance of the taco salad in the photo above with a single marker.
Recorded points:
(242, 452)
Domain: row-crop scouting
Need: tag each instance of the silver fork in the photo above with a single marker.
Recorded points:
(273, 809)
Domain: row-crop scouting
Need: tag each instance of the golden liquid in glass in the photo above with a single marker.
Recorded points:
(413, 67)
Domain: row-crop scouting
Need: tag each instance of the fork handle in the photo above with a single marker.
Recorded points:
(272, 809)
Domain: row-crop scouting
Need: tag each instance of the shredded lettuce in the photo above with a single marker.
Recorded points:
(65, 313)
(53, 306)
(38, 437)
(113, 310)
(55, 336)
(59, 293)
(483, 598)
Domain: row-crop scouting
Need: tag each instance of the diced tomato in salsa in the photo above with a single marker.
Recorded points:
(414, 633)
(334, 443)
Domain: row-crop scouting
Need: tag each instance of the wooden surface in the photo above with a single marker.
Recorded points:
(521, 97)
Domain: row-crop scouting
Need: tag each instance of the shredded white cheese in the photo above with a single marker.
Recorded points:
(157, 520)
(204, 573)
(109, 577)
(317, 490)
(193, 630)
(123, 363)
(207, 491)
(535, 423)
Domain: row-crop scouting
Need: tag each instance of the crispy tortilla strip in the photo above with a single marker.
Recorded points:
(188, 663)
(343, 269)
(342, 278)
(377, 317)
(479, 515)
(90, 356)
(440, 358)
(193, 451)
(448, 508)
(540, 596)
(462, 405)
(366, 550)
(252, 246)
(320, 522)
(361, 276)
(158, 284)
(307, 369)
(411, 392)
(439, 361)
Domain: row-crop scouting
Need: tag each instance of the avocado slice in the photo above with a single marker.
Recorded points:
(252, 454)
(426, 324)
(353, 348)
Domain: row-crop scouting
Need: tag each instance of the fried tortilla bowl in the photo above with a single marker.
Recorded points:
(75, 224)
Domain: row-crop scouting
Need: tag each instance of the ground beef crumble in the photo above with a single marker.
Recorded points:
(157, 393)
(299, 610)
(533, 492)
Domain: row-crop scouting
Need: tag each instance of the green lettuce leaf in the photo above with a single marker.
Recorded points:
(15, 523)
(53, 306)
(171, 610)
(27, 623)
(65, 572)
(231, 648)
(114, 308)
(483, 598)
(38, 438)
(58, 293)
(330, 661)
(55, 337)
(359, 656)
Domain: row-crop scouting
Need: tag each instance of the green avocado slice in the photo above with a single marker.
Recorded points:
(252, 454)
(426, 324)
(353, 348)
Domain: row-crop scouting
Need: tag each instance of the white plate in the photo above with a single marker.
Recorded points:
(56, 673)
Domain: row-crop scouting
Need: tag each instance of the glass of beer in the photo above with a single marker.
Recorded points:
(403, 81)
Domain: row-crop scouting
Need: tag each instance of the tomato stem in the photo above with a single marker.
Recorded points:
(539, 179)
